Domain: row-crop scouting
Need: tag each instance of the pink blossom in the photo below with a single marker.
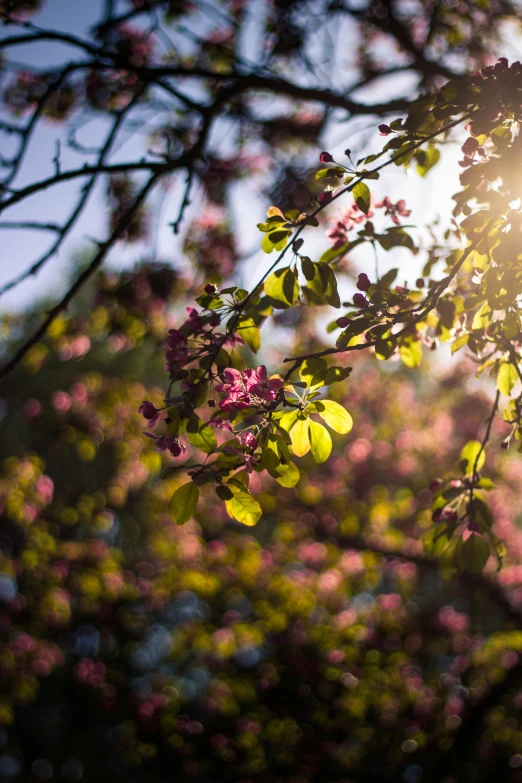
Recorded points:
(167, 443)
(247, 388)
(257, 383)
(176, 351)
(394, 209)
(149, 411)
(348, 218)
(249, 440)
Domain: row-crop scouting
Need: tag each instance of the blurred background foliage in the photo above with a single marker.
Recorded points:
(320, 645)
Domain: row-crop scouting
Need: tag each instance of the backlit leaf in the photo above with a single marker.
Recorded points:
(290, 477)
(320, 441)
(335, 416)
(362, 197)
(473, 456)
(183, 503)
(506, 378)
(299, 435)
(242, 506)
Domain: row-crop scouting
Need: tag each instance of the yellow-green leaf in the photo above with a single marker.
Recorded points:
(183, 502)
(320, 442)
(482, 317)
(313, 372)
(473, 553)
(299, 435)
(473, 456)
(250, 333)
(200, 435)
(362, 197)
(506, 378)
(282, 288)
(410, 351)
(335, 416)
(291, 477)
(243, 507)
(287, 420)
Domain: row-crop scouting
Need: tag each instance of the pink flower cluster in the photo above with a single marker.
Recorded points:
(176, 344)
(251, 387)
(394, 209)
(167, 442)
(352, 216)
(348, 219)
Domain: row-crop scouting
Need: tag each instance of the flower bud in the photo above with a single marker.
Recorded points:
(325, 157)
(325, 197)
(359, 300)
(210, 288)
(384, 130)
(435, 485)
(450, 514)
(363, 282)
(342, 322)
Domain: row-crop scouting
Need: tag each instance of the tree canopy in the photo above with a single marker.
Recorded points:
(260, 521)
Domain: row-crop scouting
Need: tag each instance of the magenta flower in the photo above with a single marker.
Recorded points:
(149, 411)
(249, 440)
(176, 351)
(257, 383)
(167, 443)
(250, 387)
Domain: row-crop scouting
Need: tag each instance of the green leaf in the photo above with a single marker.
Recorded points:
(506, 378)
(362, 197)
(473, 553)
(299, 435)
(459, 343)
(335, 416)
(313, 372)
(469, 454)
(320, 441)
(282, 288)
(329, 282)
(396, 237)
(291, 477)
(334, 172)
(201, 435)
(385, 348)
(242, 506)
(287, 420)
(482, 317)
(308, 268)
(336, 374)
(387, 279)
(426, 159)
(275, 240)
(410, 351)
(336, 252)
(250, 333)
(183, 503)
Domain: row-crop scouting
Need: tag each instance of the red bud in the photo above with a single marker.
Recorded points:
(325, 157)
